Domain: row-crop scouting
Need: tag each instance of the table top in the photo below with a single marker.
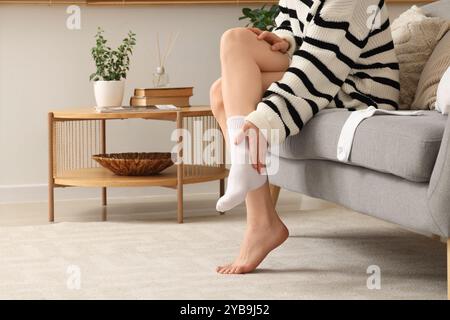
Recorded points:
(157, 114)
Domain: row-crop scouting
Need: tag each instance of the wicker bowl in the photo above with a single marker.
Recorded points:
(135, 164)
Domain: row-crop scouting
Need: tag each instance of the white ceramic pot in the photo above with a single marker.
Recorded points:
(109, 93)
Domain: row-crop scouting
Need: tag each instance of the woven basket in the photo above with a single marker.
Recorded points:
(135, 164)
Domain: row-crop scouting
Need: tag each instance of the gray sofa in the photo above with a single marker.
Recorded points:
(399, 168)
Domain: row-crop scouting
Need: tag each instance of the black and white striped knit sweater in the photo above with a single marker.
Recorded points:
(342, 57)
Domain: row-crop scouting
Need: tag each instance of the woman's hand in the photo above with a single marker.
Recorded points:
(277, 44)
(257, 145)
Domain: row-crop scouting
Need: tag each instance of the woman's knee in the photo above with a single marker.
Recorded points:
(216, 97)
(235, 38)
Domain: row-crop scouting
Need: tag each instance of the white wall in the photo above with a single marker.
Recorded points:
(45, 66)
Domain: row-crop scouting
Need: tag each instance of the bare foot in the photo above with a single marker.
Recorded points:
(258, 243)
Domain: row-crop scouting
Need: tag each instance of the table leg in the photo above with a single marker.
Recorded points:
(51, 168)
(103, 148)
(104, 196)
(222, 190)
(104, 213)
(180, 169)
(104, 204)
(51, 203)
(224, 158)
(180, 196)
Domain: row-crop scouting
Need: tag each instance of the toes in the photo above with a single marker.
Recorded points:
(233, 270)
(221, 269)
(227, 270)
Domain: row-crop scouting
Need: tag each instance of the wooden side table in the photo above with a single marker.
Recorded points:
(75, 135)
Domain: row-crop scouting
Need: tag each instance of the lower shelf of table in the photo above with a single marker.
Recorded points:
(100, 177)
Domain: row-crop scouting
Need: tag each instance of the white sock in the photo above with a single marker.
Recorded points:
(242, 177)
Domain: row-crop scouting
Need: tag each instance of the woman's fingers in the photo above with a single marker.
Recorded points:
(253, 149)
(277, 44)
(255, 30)
(248, 132)
(262, 151)
(243, 133)
(240, 136)
(257, 145)
(281, 46)
(257, 149)
(267, 36)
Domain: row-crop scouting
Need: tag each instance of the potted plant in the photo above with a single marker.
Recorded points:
(261, 18)
(112, 67)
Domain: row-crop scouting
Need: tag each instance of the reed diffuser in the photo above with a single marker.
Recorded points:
(160, 76)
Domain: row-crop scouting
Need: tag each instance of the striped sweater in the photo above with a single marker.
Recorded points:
(342, 57)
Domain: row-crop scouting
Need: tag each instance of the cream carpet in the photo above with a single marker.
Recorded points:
(326, 257)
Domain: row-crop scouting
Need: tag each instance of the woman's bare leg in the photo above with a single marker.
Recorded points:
(243, 59)
(262, 218)
(265, 230)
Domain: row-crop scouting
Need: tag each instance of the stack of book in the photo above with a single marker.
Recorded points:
(161, 96)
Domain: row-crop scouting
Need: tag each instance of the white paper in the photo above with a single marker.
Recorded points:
(166, 106)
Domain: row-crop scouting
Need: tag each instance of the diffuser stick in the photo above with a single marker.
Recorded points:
(170, 47)
(158, 48)
(167, 49)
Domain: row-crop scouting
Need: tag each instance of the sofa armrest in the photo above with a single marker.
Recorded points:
(439, 188)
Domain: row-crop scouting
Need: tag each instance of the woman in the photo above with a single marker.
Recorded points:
(323, 53)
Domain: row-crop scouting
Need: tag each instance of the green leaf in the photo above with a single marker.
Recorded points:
(246, 11)
(112, 64)
(262, 18)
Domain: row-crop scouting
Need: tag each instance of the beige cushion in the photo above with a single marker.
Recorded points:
(415, 36)
(431, 75)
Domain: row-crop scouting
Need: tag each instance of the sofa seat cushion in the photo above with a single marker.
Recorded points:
(400, 145)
